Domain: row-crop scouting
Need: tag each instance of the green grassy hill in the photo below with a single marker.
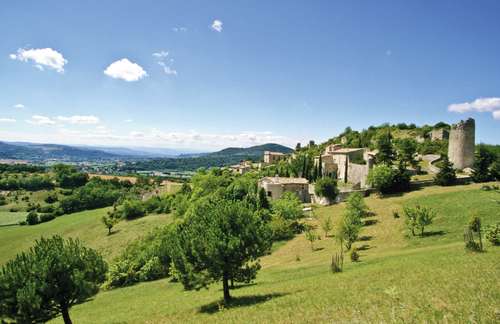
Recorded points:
(85, 225)
(399, 279)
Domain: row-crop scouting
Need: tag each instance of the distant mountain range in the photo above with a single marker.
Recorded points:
(167, 158)
(225, 157)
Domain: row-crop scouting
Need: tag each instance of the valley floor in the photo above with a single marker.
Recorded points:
(398, 278)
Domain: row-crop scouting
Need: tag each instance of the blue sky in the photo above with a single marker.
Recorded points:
(238, 73)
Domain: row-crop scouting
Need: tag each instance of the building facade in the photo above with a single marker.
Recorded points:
(275, 187)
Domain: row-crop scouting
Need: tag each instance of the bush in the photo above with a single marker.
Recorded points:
(446, 175)
(418, 218)
(132, 209)
(381, 177)
(3, 201)
(493, 234)
(327, 188)
(281, 228)
(32, 218)
(354, 256)
(51, 198)
(46, 209)
(288, 206)
(46, 217)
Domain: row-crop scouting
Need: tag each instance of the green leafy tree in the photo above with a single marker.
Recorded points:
(475, 226)
(327, 225)
(381, 177)
(406, 149)
(49, 279)
(446, 175)
(418, 217)
(482, 161)
(385, 149)
(109, 222)
(327, 188)
(350, 226)
(311, 236)
(32, 218)
(288, 206)
(262, 201)
(233, 239)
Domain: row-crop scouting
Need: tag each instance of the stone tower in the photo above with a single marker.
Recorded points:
(461, 144)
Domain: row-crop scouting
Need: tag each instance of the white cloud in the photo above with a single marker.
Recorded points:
(40, 120)
(7, 120)
(179, 29)
(167, 69)
(79, 120)
(160, 54)
(128, 120)
(125, 70)
(42, 57)
(479, 105)
(19, 106)
(217, 25)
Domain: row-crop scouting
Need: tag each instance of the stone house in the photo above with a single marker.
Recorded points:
(241, 168)
(273, 157)
(439, 134)
(276, 186)
(346, 164)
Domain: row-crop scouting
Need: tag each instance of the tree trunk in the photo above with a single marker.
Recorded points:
(225, 286)
(109, 230)
(422, 231)
(65, 315)
(232, 283)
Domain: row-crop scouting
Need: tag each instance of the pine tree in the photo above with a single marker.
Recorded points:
(446, 175)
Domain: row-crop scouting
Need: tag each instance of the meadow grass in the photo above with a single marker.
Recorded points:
(399, 278)
(11, 218)
(86, 226)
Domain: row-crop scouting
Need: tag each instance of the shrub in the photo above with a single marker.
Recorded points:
(381, 177)
(418, 218)
(337, 263)
(288, 206)
(281, 228)
(32, 218)
(132, 209)
(311, 236)
(46, 217)
(327, 225)
(46, 209)
(3, 201)
(51, 198)
(354, 256)
(493, 234)
(327, 188)
(475, 227)
(446, 175)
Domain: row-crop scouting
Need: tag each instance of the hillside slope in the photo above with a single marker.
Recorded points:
(429, 279)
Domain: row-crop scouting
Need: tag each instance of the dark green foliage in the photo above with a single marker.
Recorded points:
(288, 206)
(132, 209)
(68, 177)
(109, 222)
(46, 217)
(51, 198)
(483, 159)
(326, 187)
(32, 218)
(49, 279)
(96, 193)
(385, 150)
(446, 175)
(233, 239)
(3, 200)
(433, 147)
(474, 226)
(406, 149)
(263, 202)
(145, 259)
(493, 234)
(30, 182)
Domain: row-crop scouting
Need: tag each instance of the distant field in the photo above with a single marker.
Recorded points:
(398, 279)
(109, 177)
(8, 218)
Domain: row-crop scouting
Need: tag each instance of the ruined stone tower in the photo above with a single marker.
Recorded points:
(461, 144)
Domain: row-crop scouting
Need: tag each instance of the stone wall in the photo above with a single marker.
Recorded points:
(461, 144)
(357, 174)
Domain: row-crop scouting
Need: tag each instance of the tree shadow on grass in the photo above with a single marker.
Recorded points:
(365, 238)
(113, 232)
(370, 222)
(242, 301)
(363, 247)
(244, 285)
(434, 233)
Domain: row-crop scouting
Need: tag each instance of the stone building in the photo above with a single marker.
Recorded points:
(273, 157)
(462, 144)
(276, 186)
(439, 134)
(346, 164)
(242, 168)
